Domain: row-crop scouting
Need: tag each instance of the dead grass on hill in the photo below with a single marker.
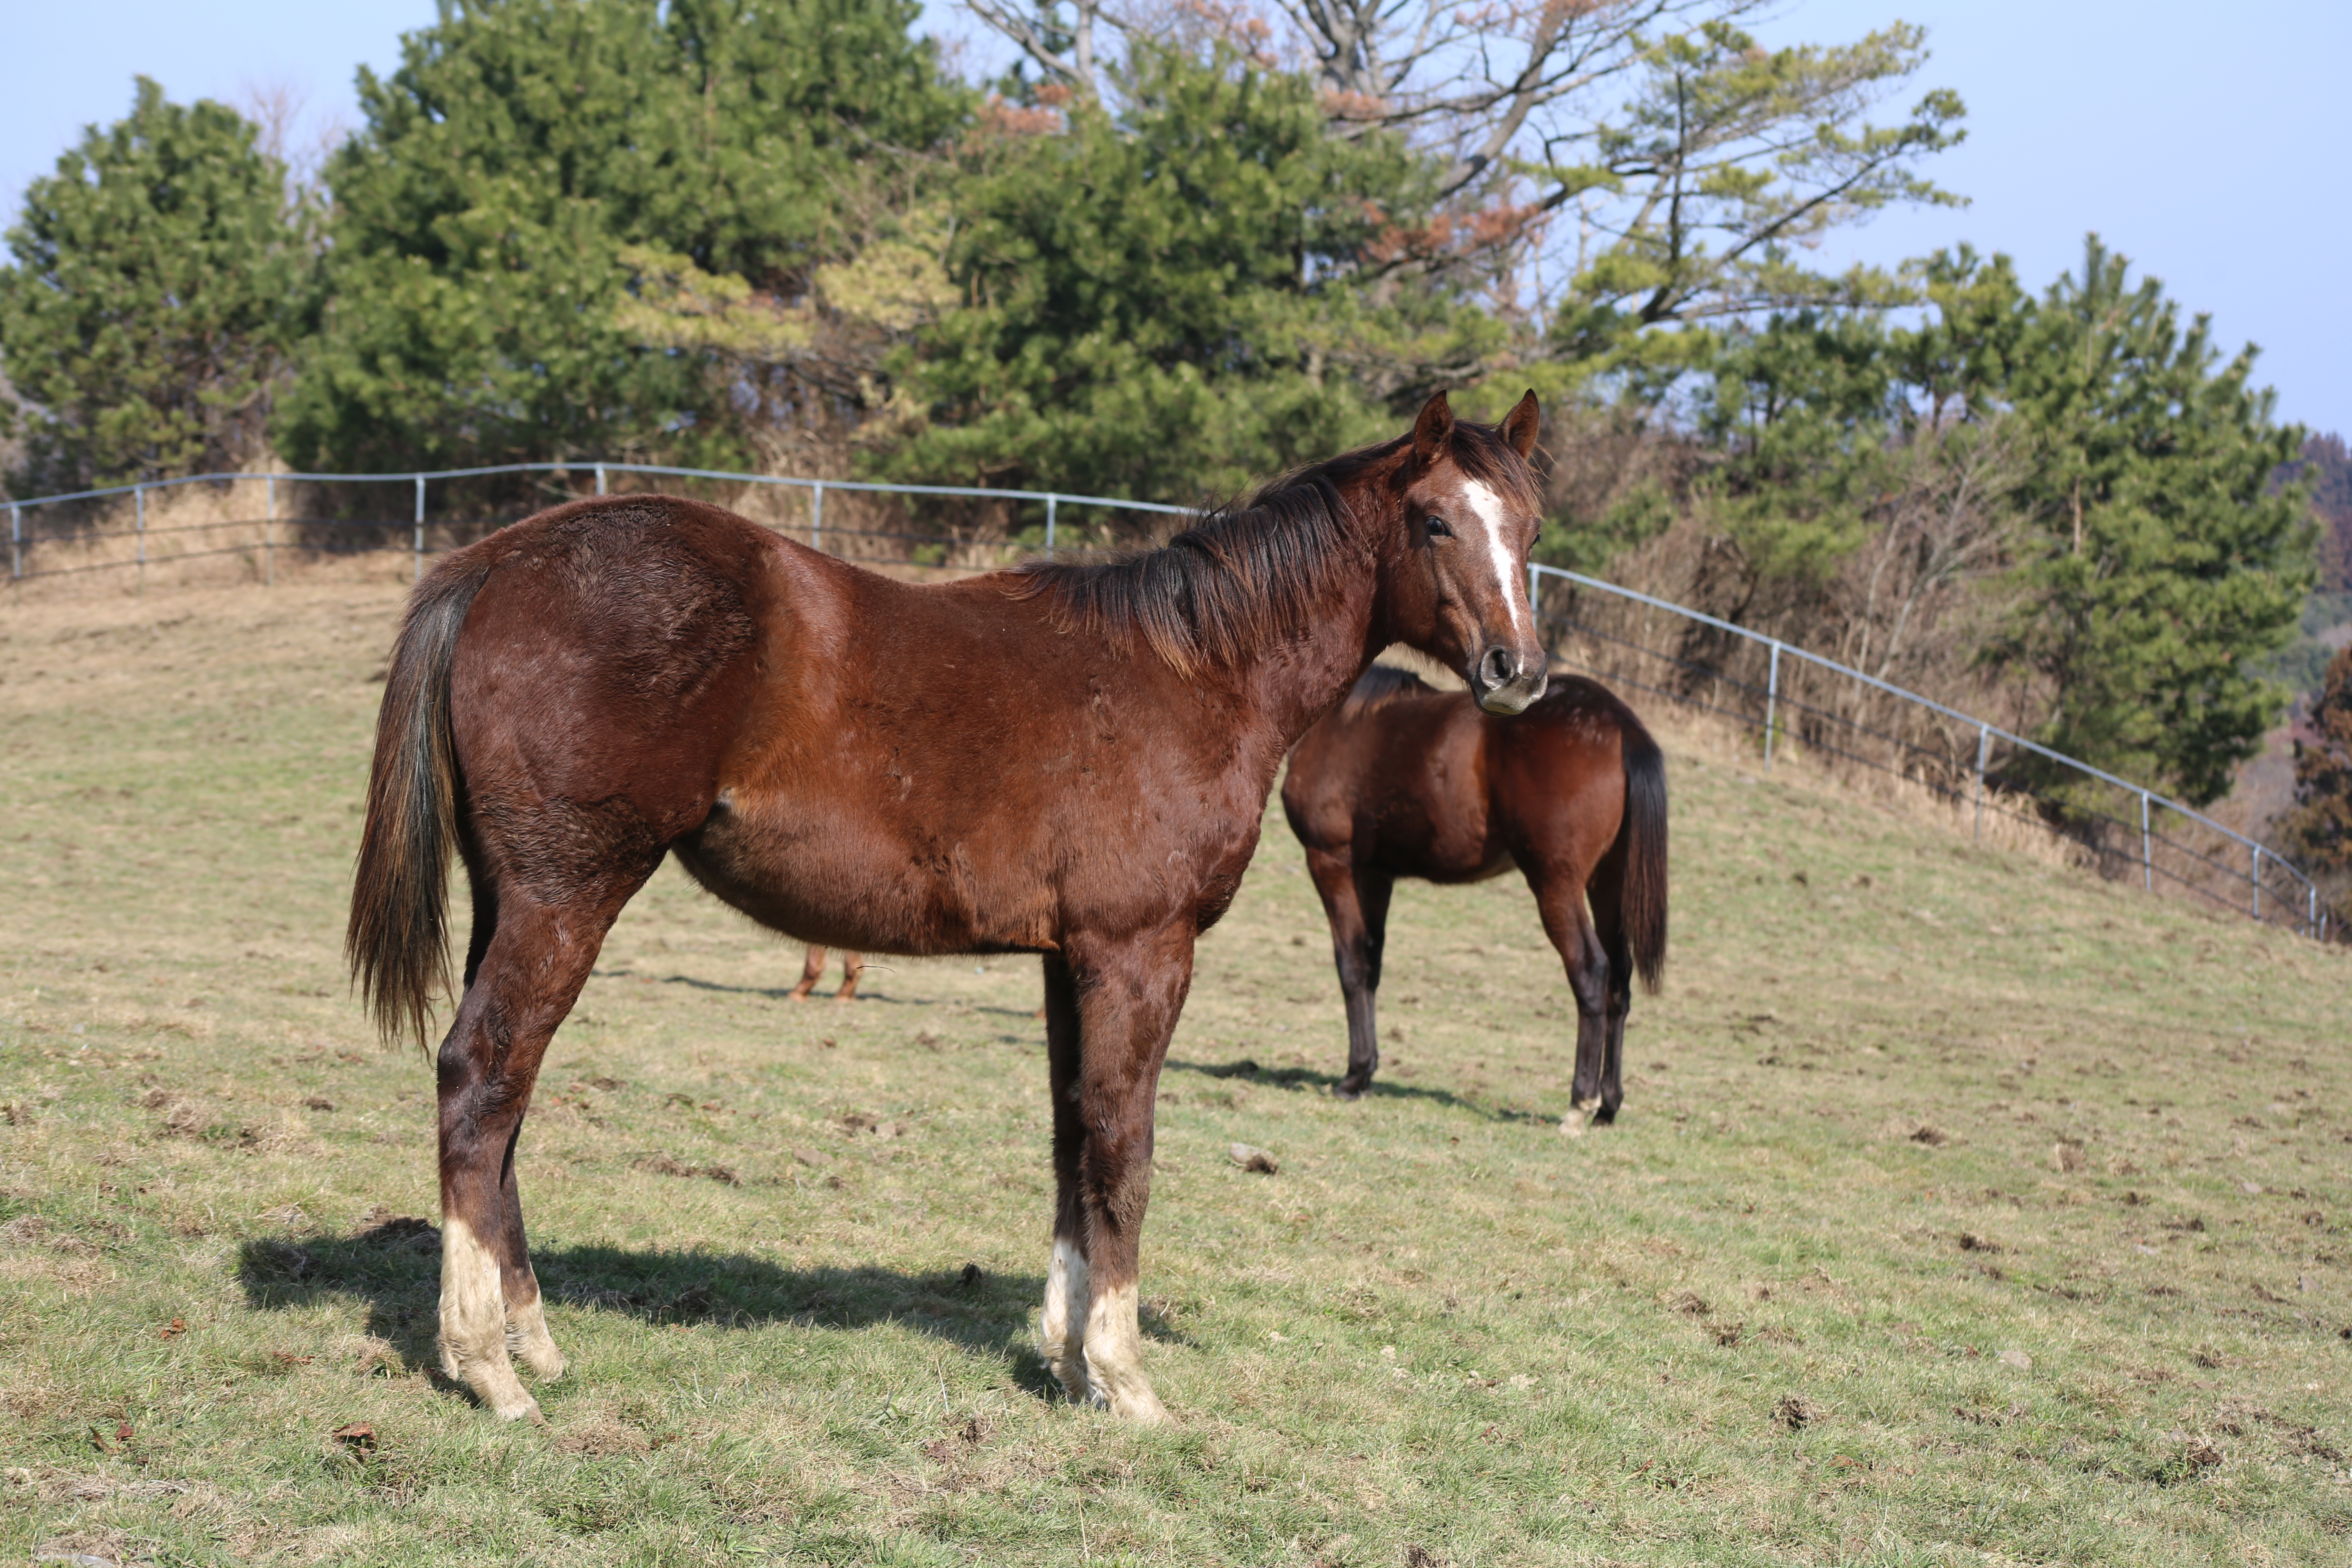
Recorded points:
(1964, 1208)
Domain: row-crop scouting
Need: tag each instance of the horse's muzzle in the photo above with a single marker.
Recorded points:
(1504, 682)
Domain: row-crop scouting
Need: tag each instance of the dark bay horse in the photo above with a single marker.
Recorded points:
(813, 970)
(1065, 759)
(1402, 780)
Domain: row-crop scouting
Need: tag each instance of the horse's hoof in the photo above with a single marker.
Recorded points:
(1351, 1089)
(1572, 1124)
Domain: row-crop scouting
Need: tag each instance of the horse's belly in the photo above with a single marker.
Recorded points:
(848, 879)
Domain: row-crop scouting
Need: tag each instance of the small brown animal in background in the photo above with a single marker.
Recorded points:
(852, 966)
(1402, 780)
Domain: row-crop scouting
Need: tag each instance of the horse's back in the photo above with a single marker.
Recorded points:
(1558, 771)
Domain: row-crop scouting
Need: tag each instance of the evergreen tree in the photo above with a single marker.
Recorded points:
(144, 324)
(514, 174)
(1167, 301)
(2164, 565)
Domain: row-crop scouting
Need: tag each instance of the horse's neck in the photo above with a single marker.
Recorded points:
(1297, 680)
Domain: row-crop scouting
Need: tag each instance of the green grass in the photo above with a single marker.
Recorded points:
(1765, 1319)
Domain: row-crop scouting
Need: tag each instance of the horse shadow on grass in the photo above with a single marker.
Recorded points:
(1308, 1081)
(395, 1270)
(870, 991)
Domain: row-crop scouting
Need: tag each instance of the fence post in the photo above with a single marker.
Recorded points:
(1772, 705)
(269, 534)
(600, 479)
(1051, 503)
(1534, 602)
(2258, 881)
(816, 517)
(420, 528)
(16, 543)
(2311, 908)
(1984, 750)
(141, 493)
(2147, 848)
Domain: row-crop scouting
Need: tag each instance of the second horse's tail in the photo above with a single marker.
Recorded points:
(1643, 838)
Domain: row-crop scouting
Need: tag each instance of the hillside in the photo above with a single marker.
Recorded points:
(1963, 1208)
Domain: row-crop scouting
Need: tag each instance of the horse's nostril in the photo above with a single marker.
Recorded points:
(1495, 668)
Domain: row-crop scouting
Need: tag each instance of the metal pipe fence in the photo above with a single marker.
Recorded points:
(341, 521)
(1792, 697)
(1797, 699)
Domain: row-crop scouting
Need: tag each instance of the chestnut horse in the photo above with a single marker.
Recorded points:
(1402, 780)
(1069, 759)
(813, 970)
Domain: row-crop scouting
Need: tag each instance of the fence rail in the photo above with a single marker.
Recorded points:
(1795, 697)
(1791, 696)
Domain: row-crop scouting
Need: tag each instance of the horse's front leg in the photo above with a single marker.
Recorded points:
(1123, 999)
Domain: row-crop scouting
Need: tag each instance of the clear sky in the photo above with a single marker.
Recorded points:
(2209, 145)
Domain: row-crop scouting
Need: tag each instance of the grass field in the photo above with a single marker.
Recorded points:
(1963, 1210)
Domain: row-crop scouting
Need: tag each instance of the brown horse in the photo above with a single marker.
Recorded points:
(813, 970)
(1402, 780)
(1066, 759)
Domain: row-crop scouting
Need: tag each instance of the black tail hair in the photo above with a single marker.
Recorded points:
(398, 938)
(1644, 836)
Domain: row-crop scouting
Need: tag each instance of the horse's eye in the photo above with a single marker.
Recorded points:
(1436, 526)
(1538, 539)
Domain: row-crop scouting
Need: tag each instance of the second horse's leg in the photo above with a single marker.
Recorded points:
(1561, 898)
(1356, 901)
(811, 971)
(1609, 926)
(852, 966)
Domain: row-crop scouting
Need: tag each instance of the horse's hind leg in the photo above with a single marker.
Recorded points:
(1356, 902)
(527, 978)
(1560, 897)
(852, 966)
(1608, 925)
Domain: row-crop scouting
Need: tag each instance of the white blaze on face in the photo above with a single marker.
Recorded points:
(1489, 508)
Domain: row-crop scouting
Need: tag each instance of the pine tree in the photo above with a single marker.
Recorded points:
(1170, 299)
(2165, 566)
(487, 214)
(145, 322)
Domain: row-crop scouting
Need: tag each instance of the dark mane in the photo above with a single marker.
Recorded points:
(1243, 575)
(1248, 572)
(1382, 685)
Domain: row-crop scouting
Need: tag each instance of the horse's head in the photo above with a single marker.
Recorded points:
(1458, 591)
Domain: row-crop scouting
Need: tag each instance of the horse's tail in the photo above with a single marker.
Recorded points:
(398, 940)
(1643, 836)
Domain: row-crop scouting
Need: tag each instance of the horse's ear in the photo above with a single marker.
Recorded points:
(1432, 430)
(1521, 425)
